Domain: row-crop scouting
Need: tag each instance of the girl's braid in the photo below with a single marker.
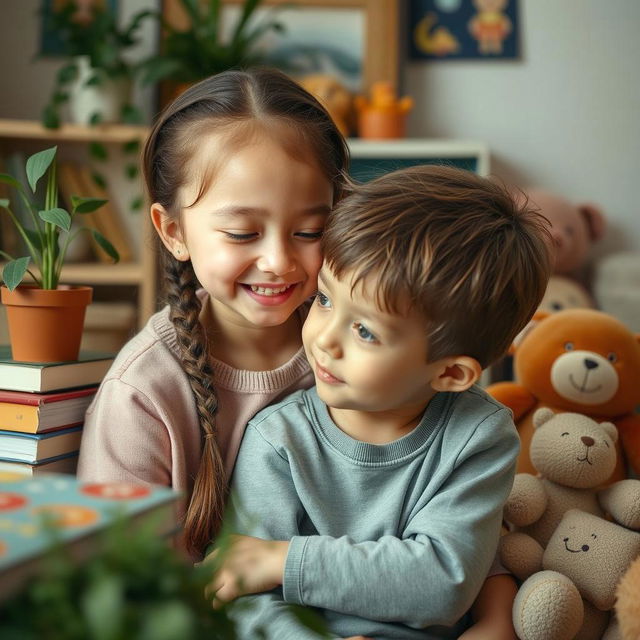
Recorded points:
(204, 513)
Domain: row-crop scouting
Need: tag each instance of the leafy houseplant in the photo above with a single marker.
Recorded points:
(96, 80)
(199, 50)
(93, 38)
(42, 240)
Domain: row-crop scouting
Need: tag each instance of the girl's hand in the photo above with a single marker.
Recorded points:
(249, 565)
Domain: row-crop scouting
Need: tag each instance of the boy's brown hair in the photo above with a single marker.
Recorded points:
(458, 247)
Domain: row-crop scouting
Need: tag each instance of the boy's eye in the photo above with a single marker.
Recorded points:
(364, 333)
(240, 237)
(309, 235)
(322, 300)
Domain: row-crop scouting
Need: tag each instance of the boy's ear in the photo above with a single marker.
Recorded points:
(457, 374)
(169, 230)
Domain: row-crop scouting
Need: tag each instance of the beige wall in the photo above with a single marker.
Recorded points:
(566, 116)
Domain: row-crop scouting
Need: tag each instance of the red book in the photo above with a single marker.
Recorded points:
(38, 412)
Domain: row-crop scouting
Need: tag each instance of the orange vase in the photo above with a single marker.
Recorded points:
(45, 325)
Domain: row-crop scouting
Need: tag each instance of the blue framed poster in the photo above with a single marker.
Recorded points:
(463, 29)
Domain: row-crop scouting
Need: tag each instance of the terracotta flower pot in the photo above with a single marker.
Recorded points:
(45, 325)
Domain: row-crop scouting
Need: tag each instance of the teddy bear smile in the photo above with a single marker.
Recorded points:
(584, 547)
(582, 388)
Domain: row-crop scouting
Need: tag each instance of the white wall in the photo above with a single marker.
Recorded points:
(565, 116)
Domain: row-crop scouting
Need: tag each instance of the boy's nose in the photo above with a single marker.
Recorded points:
(328, 341)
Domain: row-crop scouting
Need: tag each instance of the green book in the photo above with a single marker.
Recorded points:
(88, 369)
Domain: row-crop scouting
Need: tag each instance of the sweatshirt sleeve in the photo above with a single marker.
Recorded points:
(263, 503)
(432, 572)
(124, 438)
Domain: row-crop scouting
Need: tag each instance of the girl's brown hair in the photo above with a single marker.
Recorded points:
(453, 245)
(236, 103)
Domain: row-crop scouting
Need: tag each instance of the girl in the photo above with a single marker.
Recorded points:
(242, 170)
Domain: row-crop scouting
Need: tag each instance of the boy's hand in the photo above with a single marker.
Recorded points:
(249, 565)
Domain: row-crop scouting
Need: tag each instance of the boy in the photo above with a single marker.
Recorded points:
(388, 478)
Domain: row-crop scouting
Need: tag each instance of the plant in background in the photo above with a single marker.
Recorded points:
(199, 50)
(92, 33)
(95, 47)
(48, 221)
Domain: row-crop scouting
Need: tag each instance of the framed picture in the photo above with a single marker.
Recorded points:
(356, 40)
(463, 29)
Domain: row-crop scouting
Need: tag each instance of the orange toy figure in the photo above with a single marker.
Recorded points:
(384, 116)
(579, 361)
(490, 26)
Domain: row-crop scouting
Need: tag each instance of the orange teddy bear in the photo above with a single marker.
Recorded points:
(580, 361)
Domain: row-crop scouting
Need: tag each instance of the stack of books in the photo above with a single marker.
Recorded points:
(42, 407)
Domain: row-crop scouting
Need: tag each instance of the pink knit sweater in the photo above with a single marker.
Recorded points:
(142, 425)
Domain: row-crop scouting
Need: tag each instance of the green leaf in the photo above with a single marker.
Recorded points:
(86, 205)
(98, 178)
(37, 165)
(103, 604)
(4, 203)
(131, 115)
(95, 119)
(136, 203)
(309, 619)
(131, 171)
(50, 118)
(59, 217)
(11, 181)
(105, 245)
(14, 271)
(98, 151)
(131, 147)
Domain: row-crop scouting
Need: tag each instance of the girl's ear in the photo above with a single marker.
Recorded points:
(169, 230)
(456, 374)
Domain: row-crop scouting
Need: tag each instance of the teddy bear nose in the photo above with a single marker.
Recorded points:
(588, 441)
(590, 364)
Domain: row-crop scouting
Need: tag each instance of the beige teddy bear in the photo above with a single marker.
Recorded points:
(572, 597)
(574, 455)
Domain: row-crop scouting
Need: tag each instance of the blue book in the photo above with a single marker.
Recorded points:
(33, 447)
(78, 511)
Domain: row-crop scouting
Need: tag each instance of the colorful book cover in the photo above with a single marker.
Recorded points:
(78, 511)
(38, 412)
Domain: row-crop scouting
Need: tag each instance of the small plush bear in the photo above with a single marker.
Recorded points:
(572, 597)
(574, 456)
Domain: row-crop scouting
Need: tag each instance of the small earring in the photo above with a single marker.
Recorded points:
(178, 252)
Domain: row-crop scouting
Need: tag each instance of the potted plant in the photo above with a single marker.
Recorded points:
(96, 80)
(199, 49)
(46, 319)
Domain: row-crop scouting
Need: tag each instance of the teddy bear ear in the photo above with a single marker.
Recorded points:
(595, 220)
(611, 430)
(541, 416)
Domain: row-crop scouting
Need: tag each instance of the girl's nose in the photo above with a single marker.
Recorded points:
(277, 258)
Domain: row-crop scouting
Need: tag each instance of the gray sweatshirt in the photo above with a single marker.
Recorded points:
(387, 541)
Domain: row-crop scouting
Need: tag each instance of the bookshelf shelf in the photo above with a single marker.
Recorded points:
(27, 136)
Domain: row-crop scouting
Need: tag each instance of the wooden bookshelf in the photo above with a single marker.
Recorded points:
(72, 138)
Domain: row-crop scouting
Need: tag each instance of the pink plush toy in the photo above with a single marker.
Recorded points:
(574, 228)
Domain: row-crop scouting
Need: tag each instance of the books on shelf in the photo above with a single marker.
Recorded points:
(78, 511)
(88, 370)
(39, 412)
(37, 447)
(77, 180)
(62, 464)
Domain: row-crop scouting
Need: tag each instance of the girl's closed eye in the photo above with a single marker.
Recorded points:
(364, 333)
(239, 236)
(310, 235)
